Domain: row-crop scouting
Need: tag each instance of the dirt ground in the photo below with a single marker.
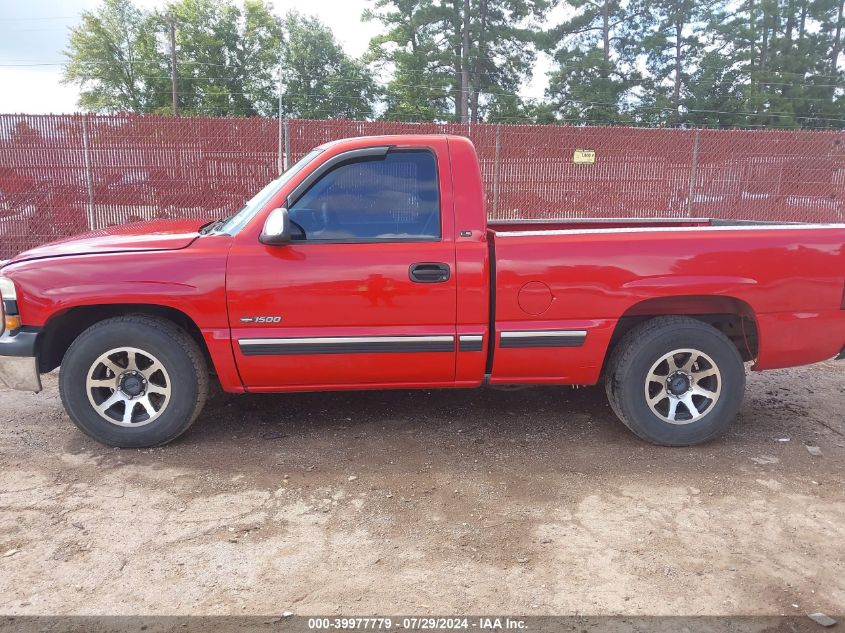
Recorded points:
(449, 502)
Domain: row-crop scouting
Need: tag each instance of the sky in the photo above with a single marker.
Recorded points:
(33, 34)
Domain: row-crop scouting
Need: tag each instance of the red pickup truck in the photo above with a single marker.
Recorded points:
(370, 264)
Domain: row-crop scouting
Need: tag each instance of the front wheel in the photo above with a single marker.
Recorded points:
(133, 381)
(675, 381)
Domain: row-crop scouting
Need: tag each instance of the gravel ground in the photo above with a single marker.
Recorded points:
(527, 502)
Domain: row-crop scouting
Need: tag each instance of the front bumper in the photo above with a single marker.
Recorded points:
(18, 363)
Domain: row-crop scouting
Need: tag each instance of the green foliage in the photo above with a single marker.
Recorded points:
(771, 63)
(228, 62)
(715, 96)
(320, 80)
(114, 58)
(591, 80)
(722, 63)
(211, 47)
(669, 36)
(422, 45)
(786, 57)
(588, 86)
(422, 84)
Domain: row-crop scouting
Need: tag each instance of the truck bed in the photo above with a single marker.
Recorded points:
(784, 280)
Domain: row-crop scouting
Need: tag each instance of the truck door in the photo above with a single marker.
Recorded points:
(365, 294)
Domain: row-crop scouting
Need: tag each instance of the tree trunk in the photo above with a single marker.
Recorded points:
(173, 73)
(790, 20)
(605, 30)
(802, 20)
(676, 92)
(465, 66)
(480, 58)
(752, 36)
(457, 67)
(790, 29)
(837, 40)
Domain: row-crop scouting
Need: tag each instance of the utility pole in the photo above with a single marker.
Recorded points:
(173, 80)
(465, 67)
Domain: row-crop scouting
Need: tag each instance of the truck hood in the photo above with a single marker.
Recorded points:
(156, 235)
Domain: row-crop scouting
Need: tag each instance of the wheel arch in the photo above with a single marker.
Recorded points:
(732, 316)
(63, 328)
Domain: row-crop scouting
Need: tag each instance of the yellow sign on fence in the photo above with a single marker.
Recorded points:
(584, 156)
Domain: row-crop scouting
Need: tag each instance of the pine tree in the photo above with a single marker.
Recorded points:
(593, 77)
(669, 35)
(456, 59)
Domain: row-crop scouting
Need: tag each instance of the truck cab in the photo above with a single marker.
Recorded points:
(364, 285)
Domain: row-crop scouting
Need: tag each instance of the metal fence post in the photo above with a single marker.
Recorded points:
(693, 169)
(280, 164)
(496, 170)
(89, 177)
(287, 145)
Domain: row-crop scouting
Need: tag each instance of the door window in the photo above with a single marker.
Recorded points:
(389, 198)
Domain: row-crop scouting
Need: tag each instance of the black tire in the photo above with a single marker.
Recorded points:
(172, 347)
(631, 364)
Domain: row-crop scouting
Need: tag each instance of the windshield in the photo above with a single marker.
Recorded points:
(255, 204)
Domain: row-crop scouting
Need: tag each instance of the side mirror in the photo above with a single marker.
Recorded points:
(276, 228)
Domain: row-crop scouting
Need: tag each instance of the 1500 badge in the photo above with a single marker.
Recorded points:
(261, 319)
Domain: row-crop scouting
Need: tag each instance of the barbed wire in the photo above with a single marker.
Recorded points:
(574, 122)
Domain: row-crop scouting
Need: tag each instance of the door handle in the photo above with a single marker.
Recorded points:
(429, 272)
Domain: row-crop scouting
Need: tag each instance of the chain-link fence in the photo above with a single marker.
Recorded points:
(61, 175)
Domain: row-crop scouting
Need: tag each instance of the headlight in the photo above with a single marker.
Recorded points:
(9, 319)
(7, 289)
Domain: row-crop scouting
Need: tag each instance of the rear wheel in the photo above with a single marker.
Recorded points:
(675, 381)
(133, 381)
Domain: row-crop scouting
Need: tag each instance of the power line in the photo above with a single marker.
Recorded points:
(634, 109)
(450, 87)
(446, 72)
(429, 86)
